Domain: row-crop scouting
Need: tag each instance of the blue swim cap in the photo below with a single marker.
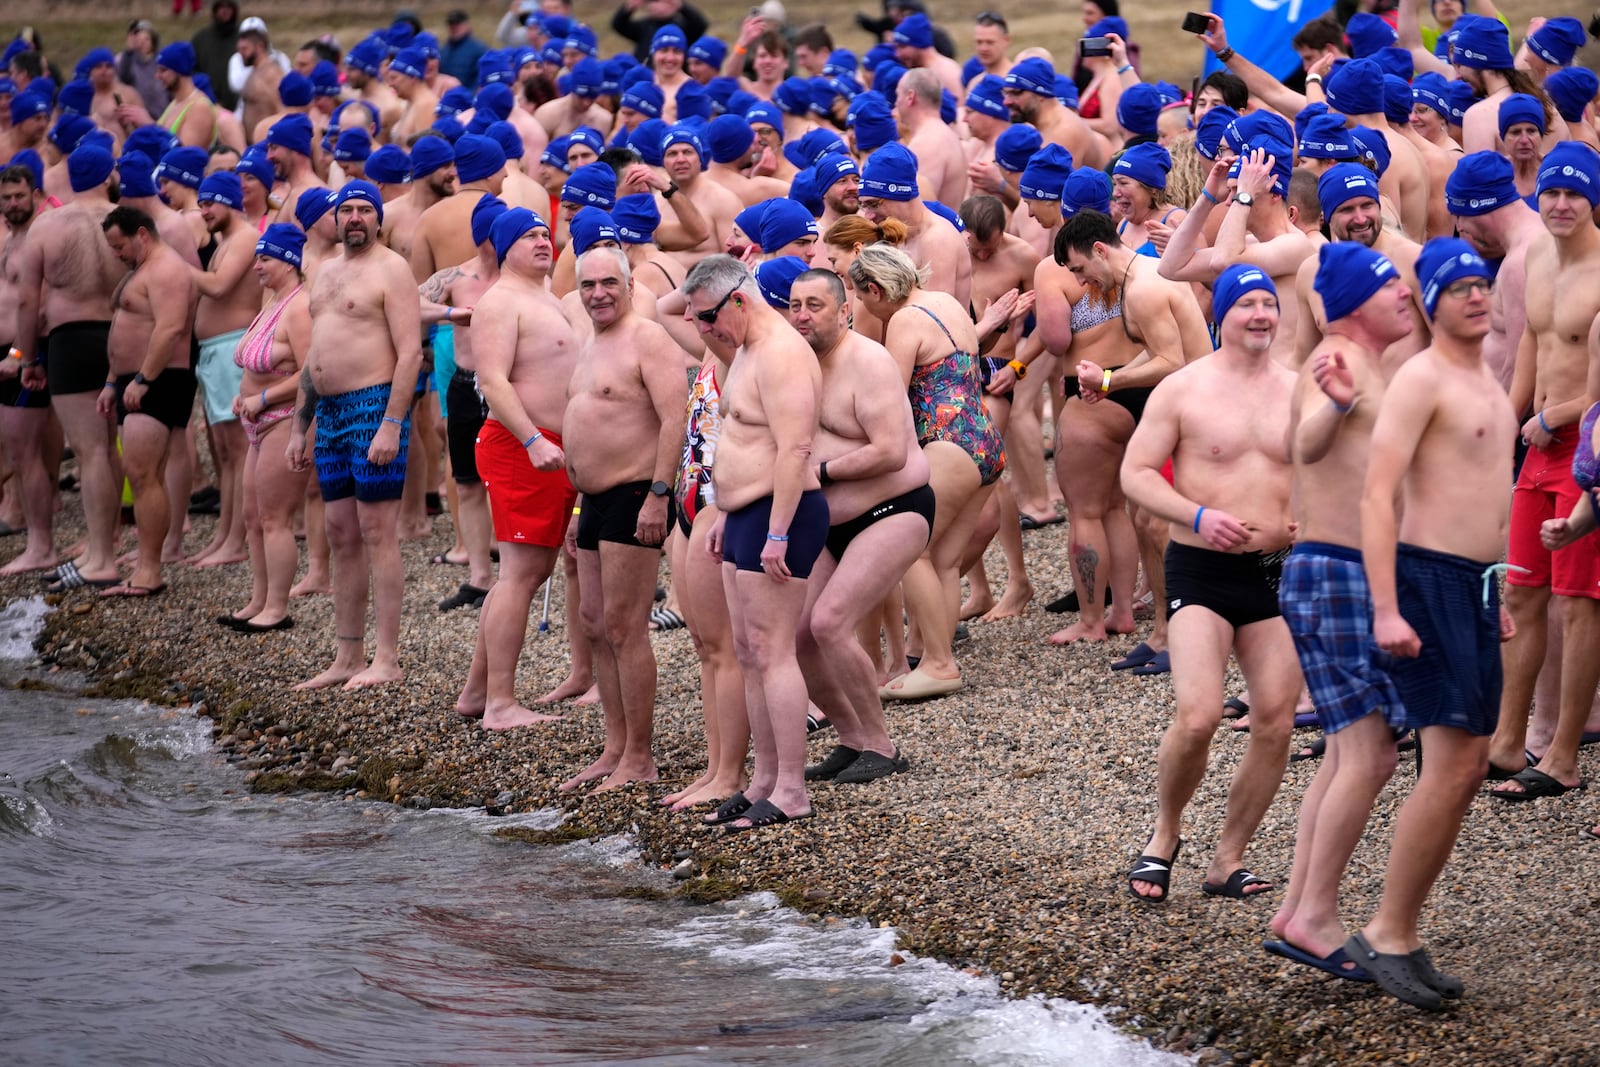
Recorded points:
(1348, 275)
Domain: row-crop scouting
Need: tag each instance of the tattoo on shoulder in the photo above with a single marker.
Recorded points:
(434, 288)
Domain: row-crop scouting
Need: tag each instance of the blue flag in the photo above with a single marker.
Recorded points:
(1263, 31)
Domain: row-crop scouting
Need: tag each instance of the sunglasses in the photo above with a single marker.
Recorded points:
(710, 317)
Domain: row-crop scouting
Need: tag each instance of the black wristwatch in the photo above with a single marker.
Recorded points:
(140, 379)
(672, 187)
(659, 488)
(822, 474)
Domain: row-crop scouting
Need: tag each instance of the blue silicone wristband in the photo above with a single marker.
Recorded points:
(1197, 515)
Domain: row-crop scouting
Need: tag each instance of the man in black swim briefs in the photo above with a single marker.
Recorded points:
(1224, 422)
(623, 435)
(875, 479)
(150, 386)
(774, 526)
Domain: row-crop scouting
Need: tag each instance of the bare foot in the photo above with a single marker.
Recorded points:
(570, 687)
(693, 787)
(313, 584)
(128, 559)
(598, 769)
(509, 718)
(709, 793)
(26, 564)
(224, 556)
(1078, 631)
(375, 675)
(590, 696)
(979, 603)
(418, 531)
(627, 776)
(470, 704)
(335, 675)
(1013, 602)
(1120, 622)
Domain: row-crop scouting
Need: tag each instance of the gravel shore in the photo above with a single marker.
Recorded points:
(1004, 849)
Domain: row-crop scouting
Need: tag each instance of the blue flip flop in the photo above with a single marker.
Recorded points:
(1161, 664)
(1141, 654)
(1333, 963)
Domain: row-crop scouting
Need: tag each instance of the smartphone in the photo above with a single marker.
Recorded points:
(1193, 23)
(1094, 46)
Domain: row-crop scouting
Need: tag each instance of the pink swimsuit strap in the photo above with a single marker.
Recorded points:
(254, 353)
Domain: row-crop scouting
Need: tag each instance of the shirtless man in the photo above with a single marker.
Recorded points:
(443, 232)
(624, 436)
(65, 280)
(1356, 91)
(880, 507)
(230, 297)
(840, 180)
(362, 66)
(518, 188)
(991, 44)
(289, 149)
(102, 75)
(731, 142)
(366, 350)
(1551, 381)
(24, 413)
(433, 178)
(1483, 59)
(1348, 194)
(1326, 603)
(941, 164)
(405, 78)
(190, 116)
(1222, 570)
(259, 97)
(987, 118)
(151, 391)
(1499, 224)
(1442, 446)
(526, 353)
(1257, 210)
(913, 49)
(1030, 93)
(773, 527)
(1163, 316)
(889, 191)
(448, 298)
(580, 107)
(682, 157)
(30, 123)
(1002, 286)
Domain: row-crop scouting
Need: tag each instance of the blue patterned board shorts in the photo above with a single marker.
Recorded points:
(1456, 613)
(346, 424)
(1326, 603)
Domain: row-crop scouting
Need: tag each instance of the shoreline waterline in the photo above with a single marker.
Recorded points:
(1004, 850)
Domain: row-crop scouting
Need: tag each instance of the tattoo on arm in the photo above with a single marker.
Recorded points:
(434, 289)
(308, 407)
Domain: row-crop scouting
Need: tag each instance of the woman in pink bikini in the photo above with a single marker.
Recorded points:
(271, 354)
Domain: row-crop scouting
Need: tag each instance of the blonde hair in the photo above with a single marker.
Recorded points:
(1188, 174)
(852, 230)
(890, 269)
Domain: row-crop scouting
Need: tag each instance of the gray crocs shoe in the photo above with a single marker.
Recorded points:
(1397, 975)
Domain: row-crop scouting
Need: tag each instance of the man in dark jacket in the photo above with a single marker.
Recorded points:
(459, 55)
(638, 21)
(214, 45)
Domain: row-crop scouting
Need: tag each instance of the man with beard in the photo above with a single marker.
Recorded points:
(262, 74)
(65, 280)
(405, 77)
(230, 297)
(362, 65)
(24, 413)
(1222, 568)
(151, 391)
(189, 117)
(443, 234)
(1030, 93)
(840, 181)
(1483, 60)
(880, 507)
(433, 178)
(1348, 193)
(360, 372)
(289, 150)
(623, 437)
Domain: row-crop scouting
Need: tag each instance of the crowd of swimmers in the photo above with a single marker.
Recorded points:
(794, 317)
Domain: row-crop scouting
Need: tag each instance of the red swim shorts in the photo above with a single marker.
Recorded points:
(1545, 490)
(529, 506)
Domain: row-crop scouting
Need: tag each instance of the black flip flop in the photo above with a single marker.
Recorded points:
(762, 814)
(1234, 888)
(728, 810)
(1155, 870)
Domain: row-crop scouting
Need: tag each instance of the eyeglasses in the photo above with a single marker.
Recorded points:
(1467, 286)
(992, 18)
(710, 317)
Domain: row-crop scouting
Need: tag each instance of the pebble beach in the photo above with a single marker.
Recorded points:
(1004, 849)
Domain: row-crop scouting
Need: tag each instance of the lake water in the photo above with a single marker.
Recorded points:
(153, 911)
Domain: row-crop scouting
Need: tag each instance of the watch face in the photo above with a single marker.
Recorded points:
(1246, 199)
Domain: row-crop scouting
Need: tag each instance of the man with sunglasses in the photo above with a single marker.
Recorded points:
(773, 527)
(1550, 393)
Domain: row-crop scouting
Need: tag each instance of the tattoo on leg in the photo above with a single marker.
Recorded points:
(1086, 561)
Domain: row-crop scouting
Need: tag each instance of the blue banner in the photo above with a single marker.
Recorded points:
(1263, 31)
